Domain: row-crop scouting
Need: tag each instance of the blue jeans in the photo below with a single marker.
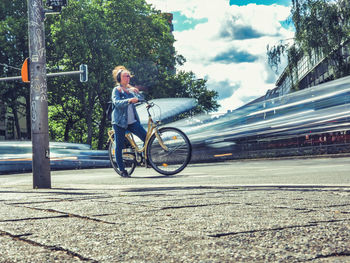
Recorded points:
(119, 135)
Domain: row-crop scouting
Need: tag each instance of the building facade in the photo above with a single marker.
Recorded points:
(309, 72)
(8, 130)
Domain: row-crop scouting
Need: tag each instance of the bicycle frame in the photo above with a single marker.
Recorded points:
(152, 128)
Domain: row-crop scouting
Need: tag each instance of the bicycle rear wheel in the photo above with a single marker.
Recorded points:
(175, 158)
(128, 158)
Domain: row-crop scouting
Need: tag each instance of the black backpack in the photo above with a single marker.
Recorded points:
(109, 110)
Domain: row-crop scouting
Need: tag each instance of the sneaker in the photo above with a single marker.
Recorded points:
(124, 174)
(148, 164)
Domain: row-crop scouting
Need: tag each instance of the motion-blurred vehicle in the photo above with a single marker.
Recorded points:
(313, 121)
(16, 156)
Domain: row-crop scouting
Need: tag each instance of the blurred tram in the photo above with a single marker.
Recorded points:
(16, 157)
(312, 121)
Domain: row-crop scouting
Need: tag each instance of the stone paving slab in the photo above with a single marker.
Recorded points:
(187, 221)
(19, 250)
(232, 225)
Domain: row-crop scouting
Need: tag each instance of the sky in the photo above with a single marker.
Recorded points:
(224, 42)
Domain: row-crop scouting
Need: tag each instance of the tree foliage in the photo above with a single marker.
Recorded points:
(13, 51)
(103, 34)
(188, 86)
(321, 28)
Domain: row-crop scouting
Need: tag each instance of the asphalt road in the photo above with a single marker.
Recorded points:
(293, 210)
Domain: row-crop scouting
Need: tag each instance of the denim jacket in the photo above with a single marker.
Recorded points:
(120, 101)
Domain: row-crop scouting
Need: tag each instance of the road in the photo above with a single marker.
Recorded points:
(310, 171)
(291, 210)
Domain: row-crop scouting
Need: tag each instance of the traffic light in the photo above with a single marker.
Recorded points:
(56, 5)
(83, 73)
(25, 73)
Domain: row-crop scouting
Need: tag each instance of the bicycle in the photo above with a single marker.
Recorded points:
(167, 149)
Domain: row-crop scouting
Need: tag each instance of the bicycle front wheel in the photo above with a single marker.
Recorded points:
(171, 152)
(128, 159)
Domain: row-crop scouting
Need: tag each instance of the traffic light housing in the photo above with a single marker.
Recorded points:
(56, 5)
(83, 73)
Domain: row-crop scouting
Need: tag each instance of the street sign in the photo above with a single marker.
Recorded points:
(25, 71)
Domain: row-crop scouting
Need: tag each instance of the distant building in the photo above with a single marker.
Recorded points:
(7, 124)
(309, 72)
(3, 123)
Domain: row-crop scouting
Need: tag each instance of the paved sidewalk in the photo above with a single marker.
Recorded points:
(98, 217)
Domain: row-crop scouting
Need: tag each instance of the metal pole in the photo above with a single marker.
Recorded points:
(63, 73)
(11, 78)
(38, 96)
(47, 75)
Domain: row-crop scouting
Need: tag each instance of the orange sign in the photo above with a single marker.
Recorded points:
(25, 71)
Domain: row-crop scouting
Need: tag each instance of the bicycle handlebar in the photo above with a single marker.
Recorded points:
(149, 104)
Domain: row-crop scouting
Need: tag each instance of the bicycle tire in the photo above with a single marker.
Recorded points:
(129, 158)
(176, 158)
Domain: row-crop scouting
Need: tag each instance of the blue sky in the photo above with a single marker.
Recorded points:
(224, 41)
(183, 23)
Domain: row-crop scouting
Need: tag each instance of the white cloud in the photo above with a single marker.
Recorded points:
(229, 50)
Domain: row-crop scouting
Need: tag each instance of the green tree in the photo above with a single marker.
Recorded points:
(102, 34)
(111, 33)
(321, 28)
(13, 51)
(188, 86)
(79, 35)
